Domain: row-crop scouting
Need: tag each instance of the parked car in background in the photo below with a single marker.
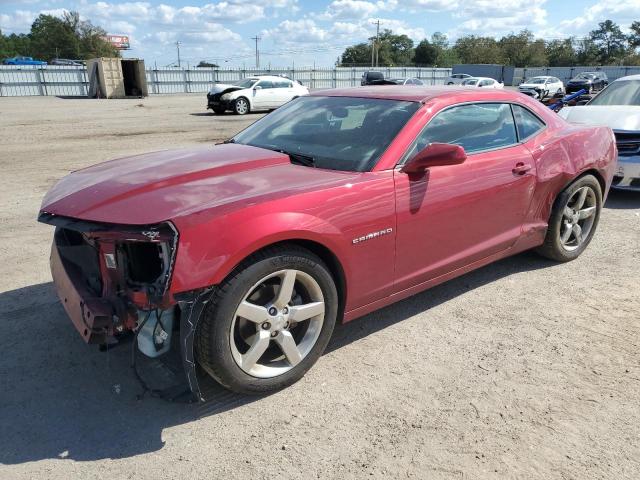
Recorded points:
(543, 86)
(456, 78)
(263, 92)
(23, 61)
(481, 82)
(67, 62)
(370, 77)
(337, 204)
(618, 107)
(589, 81)
(406, 81)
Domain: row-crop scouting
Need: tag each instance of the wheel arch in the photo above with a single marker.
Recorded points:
(328, 256)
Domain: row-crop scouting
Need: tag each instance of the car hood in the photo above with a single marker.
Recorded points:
(160, 186)
(580, 81)
(221, 87)
(616, 117)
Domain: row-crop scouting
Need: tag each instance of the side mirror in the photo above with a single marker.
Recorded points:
(257, 87)
(435, 155)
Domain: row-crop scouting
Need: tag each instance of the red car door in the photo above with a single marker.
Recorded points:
(455, 215)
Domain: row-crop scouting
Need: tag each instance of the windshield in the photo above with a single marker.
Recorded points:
(584, 76)
(626, 92)
(537, 80)
(337, 133)
(246, 83)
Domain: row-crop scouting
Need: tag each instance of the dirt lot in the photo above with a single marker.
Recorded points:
(523, 369)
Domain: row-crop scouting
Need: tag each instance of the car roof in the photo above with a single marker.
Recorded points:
(267, 77)
(418, 93)
(482, 78)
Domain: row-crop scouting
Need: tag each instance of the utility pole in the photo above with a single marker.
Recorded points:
(178, 47)
(377, 24)
(257, 38)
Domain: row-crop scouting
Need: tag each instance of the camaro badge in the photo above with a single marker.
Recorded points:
(371, 235)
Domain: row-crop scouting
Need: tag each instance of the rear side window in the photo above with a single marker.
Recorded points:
(475, 127)
(527, 123)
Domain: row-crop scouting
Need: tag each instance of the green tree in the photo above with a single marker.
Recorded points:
(359, 54)
(474, 49)
(65, 37)
(610, 42)
(52, 37)
(425, 53)
(587, 53)
(523, 50)
(634, 36)
(447, 57)
(393, 49)
(561, 53)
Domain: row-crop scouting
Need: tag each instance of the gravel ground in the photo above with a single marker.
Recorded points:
(523, 369)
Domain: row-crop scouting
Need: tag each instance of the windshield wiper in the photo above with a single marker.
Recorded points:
(299, 158)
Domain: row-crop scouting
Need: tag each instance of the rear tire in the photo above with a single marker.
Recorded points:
(253, 338)
(573, 220)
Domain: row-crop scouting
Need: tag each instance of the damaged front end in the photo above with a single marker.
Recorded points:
(216, 98)
(113, 281)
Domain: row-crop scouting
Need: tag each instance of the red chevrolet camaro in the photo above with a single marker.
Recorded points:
(336, 204)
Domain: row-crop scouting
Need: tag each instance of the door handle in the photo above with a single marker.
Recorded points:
(521, 168)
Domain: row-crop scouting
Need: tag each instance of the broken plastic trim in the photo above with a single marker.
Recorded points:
(164, 235)
(192, 304)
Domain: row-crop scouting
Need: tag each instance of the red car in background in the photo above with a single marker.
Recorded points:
(332, 206)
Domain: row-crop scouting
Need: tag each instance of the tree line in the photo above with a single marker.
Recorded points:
(606, 45)
(58, 37)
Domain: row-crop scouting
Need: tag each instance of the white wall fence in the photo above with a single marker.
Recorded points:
(567, 73)
(73, 82)
(66, 81)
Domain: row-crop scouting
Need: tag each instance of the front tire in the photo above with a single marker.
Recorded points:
(219, 110)
(573, 221)
(268, 322)
(241, 106)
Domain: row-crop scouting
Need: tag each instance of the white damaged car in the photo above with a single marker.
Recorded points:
(618, 107)
(263, 92)
(541, 87)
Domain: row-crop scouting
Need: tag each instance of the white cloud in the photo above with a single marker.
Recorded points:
(18, 21)
(620, 11)
(495, 18)
(400, 27)
(304, 30)
(430, 5)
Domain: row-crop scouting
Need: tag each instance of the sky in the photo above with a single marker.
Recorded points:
(304, 33)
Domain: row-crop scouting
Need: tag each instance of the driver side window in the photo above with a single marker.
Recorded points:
(475, 127)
